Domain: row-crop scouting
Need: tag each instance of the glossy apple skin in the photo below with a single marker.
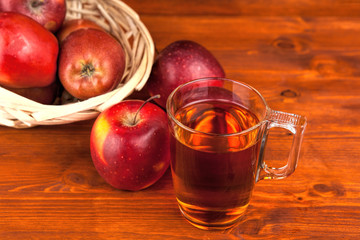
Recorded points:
(131, 157)
(44, 95)
(104, 57)
(49, 13)
(180, 62)
(28, 52)
(75, 24)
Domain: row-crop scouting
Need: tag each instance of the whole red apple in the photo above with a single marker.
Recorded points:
(43, 95)
(131, 154)
(73, 25)
(180, 62)
(28, 52)
(49, 13)
(91, 63)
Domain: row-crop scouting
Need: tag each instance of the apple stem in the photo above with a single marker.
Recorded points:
(148, 100)
(36, 4)
(87, 70)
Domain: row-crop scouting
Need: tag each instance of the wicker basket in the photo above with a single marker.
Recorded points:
(125, 25)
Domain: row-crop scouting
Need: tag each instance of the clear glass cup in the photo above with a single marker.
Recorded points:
(219, 129)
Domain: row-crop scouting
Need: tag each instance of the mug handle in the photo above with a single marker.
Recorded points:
(296, 124)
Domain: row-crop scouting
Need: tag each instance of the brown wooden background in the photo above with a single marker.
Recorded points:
(302, 55)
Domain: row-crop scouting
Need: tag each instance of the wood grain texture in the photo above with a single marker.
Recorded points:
(303, 56)
(306, 8)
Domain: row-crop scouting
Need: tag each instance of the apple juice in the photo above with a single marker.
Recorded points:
(214, 168)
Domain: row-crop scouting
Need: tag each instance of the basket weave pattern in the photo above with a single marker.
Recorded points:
(125, 25)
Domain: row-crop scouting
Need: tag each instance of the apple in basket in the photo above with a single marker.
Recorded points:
(129, 144)
(180, 62)
(49, 13)
(43, 95)
(28, 52)
(72, 25)
(91, 63)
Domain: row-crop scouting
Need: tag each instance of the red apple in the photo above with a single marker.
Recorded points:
(91, 63)
(131, 154)
(180, 62)
(73, 25)
(43, 95)
(49, 13)
(28, 52)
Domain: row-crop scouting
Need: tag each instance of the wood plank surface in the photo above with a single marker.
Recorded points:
(303, 57)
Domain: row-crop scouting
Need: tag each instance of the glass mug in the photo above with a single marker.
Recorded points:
(219, 129)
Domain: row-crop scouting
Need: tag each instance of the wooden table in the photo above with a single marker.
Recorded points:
(303, 56)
